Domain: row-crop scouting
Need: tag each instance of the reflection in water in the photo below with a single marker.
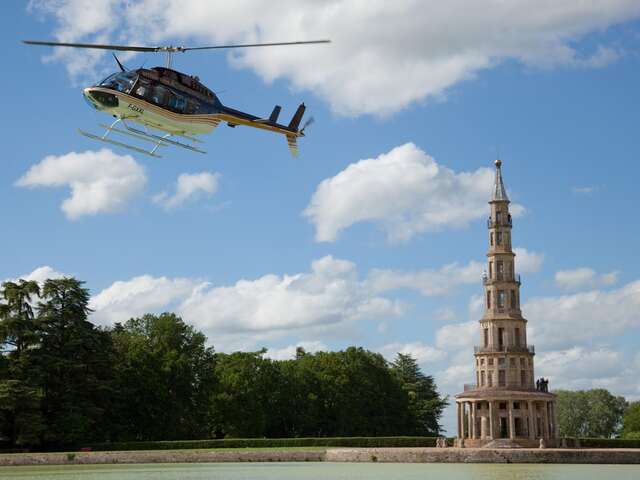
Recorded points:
(322, 471)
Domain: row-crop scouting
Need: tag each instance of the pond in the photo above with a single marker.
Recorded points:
(322, 471)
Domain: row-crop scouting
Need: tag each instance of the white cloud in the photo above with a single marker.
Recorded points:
(404, 191)
(526, 261)
(587, 367)
(422, 352)
(445, 314)
(584, 277)
(578, 367)
(427, 282)
(384, 56)
(100, 181)
(476, 306)
(144, 294)
(587, 190)
(41, 274)
(568, 320)
(458, 336)
(330, 295)
(189, 186)
(289, 352)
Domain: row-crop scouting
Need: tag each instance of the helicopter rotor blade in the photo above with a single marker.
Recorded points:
(247, 45)
(170, 49)
(122, 48)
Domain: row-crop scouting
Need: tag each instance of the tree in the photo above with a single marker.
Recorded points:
(72, 366)
(347, 393)
(589, 413)
(20, 415)
(17, 328)
(165, 379)
(425, 404)
(249, 400)
(631, 421)
(20, 419)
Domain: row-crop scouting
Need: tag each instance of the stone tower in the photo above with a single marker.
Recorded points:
(505, 402)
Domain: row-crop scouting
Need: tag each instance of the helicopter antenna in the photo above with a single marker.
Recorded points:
(118, 62)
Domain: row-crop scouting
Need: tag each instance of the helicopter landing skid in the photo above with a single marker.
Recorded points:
(157, 140)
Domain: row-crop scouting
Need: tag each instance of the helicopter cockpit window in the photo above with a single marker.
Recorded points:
(122, 81)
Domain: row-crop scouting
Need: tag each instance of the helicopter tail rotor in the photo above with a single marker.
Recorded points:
(308, 123)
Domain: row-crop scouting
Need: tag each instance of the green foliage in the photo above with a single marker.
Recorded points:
(72, 366)
(20, 415)
(425, 404)
(351, 392)
(631, 421)
(21, 420)
(247, 398)
(17, 327)
(355, 442)
(165, 379)
(589, 413)
(64, 383)
(609, 443)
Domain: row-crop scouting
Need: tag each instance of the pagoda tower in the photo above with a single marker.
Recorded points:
(505, 402)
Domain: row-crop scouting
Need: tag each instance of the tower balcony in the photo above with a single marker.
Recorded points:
(501, 277)
(505, 349)
(503, 223)
(468, 387)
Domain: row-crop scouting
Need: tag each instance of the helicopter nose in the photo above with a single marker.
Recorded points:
(99, 99)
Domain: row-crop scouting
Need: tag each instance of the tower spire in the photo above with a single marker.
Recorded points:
(499, 192)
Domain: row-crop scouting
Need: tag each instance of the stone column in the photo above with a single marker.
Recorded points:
(491, 420)
(512, 429)
(545, 421)
(459, 422)
(532, 421)
(469, 420)
(474, 433)
(556, 426)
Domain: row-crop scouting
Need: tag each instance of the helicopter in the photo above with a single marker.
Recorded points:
(175, 103)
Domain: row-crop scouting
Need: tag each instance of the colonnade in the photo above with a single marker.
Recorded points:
(491, 419)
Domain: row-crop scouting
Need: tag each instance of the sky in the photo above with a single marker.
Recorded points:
(376, 234)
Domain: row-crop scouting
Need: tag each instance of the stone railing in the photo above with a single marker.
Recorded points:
(499, 277)
(506, 386)
(507, 223)
(505, 349)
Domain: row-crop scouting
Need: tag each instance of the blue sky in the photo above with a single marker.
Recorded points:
(411, 109)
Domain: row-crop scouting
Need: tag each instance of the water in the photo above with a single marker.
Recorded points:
(322, 471)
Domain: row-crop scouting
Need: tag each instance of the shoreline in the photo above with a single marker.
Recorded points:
(382, 455)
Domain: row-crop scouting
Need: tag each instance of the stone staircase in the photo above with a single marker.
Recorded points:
(502, 443)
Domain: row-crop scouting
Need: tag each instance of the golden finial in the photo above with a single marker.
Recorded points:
(498, 163)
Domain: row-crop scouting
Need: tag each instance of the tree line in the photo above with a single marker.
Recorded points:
(64, 381)
(597, 413)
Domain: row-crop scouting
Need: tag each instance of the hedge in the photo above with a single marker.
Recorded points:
(270, 443)
(609, 443)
